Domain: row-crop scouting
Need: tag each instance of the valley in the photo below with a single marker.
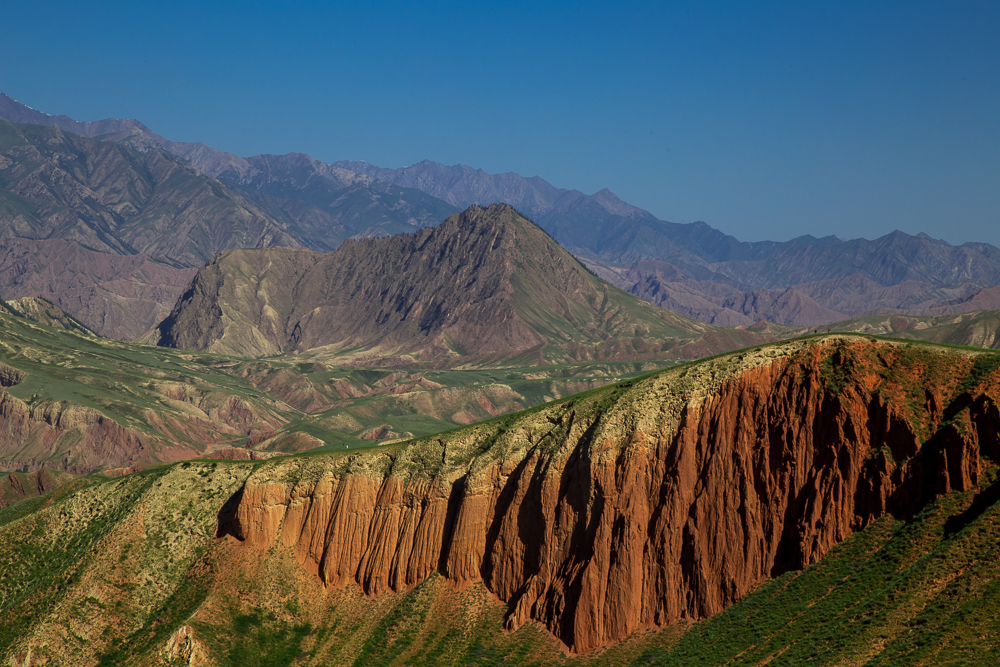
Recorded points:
(73, 402)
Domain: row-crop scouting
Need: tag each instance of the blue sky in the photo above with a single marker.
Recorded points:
(765, 119)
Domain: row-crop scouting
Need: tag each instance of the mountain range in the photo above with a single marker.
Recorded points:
(696, 270)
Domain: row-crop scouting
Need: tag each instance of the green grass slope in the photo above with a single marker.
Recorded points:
(57, 382)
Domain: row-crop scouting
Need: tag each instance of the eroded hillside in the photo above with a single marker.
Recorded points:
(660, 501)
(643, 505)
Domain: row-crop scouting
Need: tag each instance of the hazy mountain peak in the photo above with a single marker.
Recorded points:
(130, 132)
(610, 202)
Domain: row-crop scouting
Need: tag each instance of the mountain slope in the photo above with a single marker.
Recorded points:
(109, 198)
(44, 312)
(612, 517)
(18, 486)
(486, 286)
(131, 133)
(367, 207)
(77, 403)
(117, 296)
(978, 328)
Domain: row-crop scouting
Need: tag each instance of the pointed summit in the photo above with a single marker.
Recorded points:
(485, 286)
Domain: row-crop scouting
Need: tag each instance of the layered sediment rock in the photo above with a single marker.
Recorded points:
(80, 440)
(639, 506)
(18, 486)
(35, 437)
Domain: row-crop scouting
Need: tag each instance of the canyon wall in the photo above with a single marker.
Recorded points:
(664, 499)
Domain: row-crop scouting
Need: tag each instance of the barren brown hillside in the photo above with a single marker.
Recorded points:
(486, 286)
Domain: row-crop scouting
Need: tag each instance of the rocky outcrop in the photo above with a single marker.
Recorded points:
(18, 486)
(10, 376)
(635, 507)
(241, 454)
(184, 648)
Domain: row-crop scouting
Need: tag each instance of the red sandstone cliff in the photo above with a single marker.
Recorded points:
(629, 508)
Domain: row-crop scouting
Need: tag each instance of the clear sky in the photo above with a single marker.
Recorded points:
(766, 120)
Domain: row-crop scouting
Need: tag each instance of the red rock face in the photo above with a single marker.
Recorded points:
(646, 512)
(16, 487)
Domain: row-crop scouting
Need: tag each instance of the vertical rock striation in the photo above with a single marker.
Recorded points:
(637, 506)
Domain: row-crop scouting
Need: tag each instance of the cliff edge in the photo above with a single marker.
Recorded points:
(666, 498)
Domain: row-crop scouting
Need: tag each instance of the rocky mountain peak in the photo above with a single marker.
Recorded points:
(485, 286)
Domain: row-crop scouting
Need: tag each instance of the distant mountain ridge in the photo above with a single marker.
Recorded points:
(724, 281)
(600, 226)
(130, 132)
(722, 302)
(295, 175)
